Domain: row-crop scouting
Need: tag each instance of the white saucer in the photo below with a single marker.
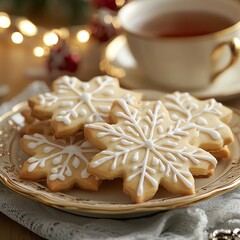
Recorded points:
(119, 62)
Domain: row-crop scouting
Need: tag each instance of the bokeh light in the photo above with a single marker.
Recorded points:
(83, 36)
(5, 21)
(38, 51)
(27, 28)
(17, 37)
(50, 38)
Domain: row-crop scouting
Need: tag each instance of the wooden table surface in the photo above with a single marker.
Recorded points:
(18, 68)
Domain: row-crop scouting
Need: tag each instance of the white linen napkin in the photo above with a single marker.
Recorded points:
(189, 223)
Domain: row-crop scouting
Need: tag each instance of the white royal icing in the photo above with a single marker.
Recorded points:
(139, 133)
(55, 151)
(83, 97)
(83, 112)
(190, 111)
(108, 92)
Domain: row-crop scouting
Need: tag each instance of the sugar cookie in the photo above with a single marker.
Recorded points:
(74, 103)
(146, 148)
(62, 162)
(208, 116)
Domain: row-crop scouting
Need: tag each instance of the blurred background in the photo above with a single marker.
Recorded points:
(42, 39)
(53, 13)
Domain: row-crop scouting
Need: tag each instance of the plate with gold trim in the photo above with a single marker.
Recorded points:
(109, 201)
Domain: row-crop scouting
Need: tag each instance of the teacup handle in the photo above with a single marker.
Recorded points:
(234, 46)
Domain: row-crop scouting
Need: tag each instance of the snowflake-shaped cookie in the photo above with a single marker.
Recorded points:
(208, 116)
(146, 149)
(62, 162)
(74, 103)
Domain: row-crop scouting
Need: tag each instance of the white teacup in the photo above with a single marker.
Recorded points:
(182, 62)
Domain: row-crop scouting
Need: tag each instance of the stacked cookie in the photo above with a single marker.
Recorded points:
(83, 133)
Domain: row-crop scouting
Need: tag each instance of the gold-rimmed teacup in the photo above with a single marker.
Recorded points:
(182, 62)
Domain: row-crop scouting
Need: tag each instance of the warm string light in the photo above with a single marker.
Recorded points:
(40, 51)
(27, 28)
(83, 36)
(5, 21)
(50, 38)
(17, 37)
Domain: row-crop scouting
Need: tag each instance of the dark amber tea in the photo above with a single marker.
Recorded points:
(185, 24)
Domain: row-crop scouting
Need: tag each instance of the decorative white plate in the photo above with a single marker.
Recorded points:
(119, 62)
(109, 201)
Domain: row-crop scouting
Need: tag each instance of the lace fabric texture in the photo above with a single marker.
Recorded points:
(188, 223)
